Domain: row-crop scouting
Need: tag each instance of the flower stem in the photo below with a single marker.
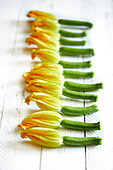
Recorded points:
(74, 141)
(82, 87)
(75, 23)
(67, 64)
(77, 74)
(72, 34)
(79, 95)
(79, 111)
(76, 51)
(64, 41)
(69, 124)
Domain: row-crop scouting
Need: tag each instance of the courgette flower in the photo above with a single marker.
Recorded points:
(43, 41)
(55, 68)
(46, 72)
(43, 136)
(45, 26)
(41, 86)
(45, 31)
(53, 138)
(41, 15)
(46, 55)
(45, 101)
(46, 119)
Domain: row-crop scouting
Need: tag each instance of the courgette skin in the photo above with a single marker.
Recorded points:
(75, 125)
(74, 141)
(79, 95)
(76, 51)
(75, 23)
(67, 64)
(79, 111)
(64, 41)
(82, 87)
(72, 34)
(77, 74)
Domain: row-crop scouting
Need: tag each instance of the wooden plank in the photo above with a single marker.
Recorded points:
(100, 157)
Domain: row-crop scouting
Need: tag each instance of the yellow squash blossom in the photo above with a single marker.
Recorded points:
(41, 15)
(45, 101)
(55, 68)
(46, 55)
(44, 74)
(43, 136)
(45, 26)
(45, 37)
(46, 119)
(43, 41)
(46, 31)
(41, 86)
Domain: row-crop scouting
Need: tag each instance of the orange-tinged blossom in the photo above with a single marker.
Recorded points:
(46, 119)
(57, 68)
(50, 75)
(42, 40)
(41, 15)
(46, 26)
(41, 86)
(45, 101)
(43, 136)
(46, 55)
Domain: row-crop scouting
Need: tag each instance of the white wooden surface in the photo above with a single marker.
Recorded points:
(16, 153)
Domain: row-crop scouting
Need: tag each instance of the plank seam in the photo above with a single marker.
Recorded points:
(2, 110)
(85, 131)
(40, 165)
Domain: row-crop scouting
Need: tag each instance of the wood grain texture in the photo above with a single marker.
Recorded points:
(16, 153)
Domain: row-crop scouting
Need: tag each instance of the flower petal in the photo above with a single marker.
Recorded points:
(43, 136)
(46, 31)
(41, 44)
(45, 101)
(41, 15)
(45, 38)
(46, 119)
(50, 88)
(46, 55)
(46, 75)
(57, 68)
(25, 76)
(46, 25)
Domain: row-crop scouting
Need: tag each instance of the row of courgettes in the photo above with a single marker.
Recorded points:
(46, 83)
